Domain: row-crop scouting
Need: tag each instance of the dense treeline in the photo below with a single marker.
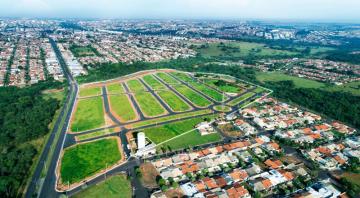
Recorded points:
(337, 105)
(24, 116)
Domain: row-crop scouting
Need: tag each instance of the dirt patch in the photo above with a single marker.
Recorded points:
(149, 174)
(230, 130)
(174, 193)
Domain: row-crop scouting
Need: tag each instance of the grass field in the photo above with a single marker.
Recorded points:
(298, 82)
(166, 78)
(240, 50)
(82, 51)
(223, 86)
(194, 97)
(222, 108)
(353, 88)
(84, 160)
(190, 139)
(208, 91)
(167, 131)
(89, 114)
(148, 104)
(135, 85)
(57, 94)
(90, 91)
(113, 187)
(121, 105)
(182, 76)
(241, 98)
(153, 83)
(115, 88)
(172, 117)
(174, 102)
(95, 134)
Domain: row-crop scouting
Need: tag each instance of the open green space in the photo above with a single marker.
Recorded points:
(352, 87)
(121, 105)
(222, 108)
(83, 51)
(241, 98)
(194, 97)
(89, 114)
(148, 104)
(223, 86)
(217, 96)
(172, 117)
(90, 91)
(58, 95)
(298, 82)
(95, 134)
(117, 186)
(84, 160)
(167, 78)
(164, 132)
(174, 102)
(135, 85)
(240, 50)
(153, 83)
(189, 140)
(115, 88)
(182, 76)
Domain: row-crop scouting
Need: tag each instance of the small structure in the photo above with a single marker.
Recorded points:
(141, 140)
(205, 128)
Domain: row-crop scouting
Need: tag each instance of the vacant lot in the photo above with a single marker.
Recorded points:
(95, 134)
(84, 160)
(223, 86)
(241, 98)
(168, 79)
(135, 86)
(115, 88)
(194, 97)
(298, 82)
(89, 114)
(90, 91)
(174, 102)
(148, 104)
(153, 83)
(208, 91)
(167, 131)
(353, 88)
(182, 76)
(149, 174)
(121, 105)
(113, 187)
(83, 51)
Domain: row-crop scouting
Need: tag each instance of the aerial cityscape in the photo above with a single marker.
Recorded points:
(152, 99)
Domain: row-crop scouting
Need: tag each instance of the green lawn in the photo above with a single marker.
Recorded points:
(84, 160)
(208, 91)
(148, 104)
(83, 51)
(189, 140)
(241, 98)
(121, 105)
(223, 86)
(353, 88)
(298, 82)
(115, 88)
(153, 83)
(175, 103)
(89, 114)
(194, 97)
(95, 134)
(90, 91)
(135, 85)
(167, 131)
(166, 78)
(172, 117)
(114, 187)
(182, 76)
(222, 108)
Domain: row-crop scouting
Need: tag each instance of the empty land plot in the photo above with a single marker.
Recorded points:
(190, 139)
(115, 88)
(90, 91)
(84, 160)
(174, 102)
(121, 105)
(194, 97)
(135, 86)
(222, 108)
(117, 186)
(167, 78)
(153, 83)
(89, 114)
(241, 98)
(223, 86)
(208, 91)
(148, 104)
(182, 76)
(95, 134)
(172, 117)
(164, 132)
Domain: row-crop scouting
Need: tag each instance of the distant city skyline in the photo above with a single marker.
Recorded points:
(304, 10)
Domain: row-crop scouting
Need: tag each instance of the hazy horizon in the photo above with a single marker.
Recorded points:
(275, 10)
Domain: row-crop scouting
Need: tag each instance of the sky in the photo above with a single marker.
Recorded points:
(305, 10)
